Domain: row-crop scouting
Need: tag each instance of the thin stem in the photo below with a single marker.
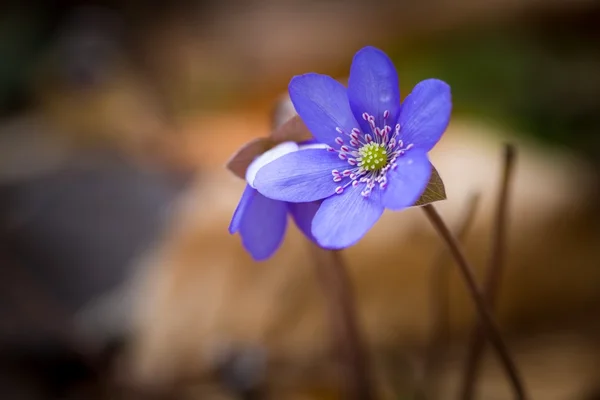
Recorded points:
(339, 296)
(440, 303)
(346, 336)
(487, 321)
(493, 275)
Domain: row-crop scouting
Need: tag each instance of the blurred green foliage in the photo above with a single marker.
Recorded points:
(537, 74)
(21, 39)
(540, 78)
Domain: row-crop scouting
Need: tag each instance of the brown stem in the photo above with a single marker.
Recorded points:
(493, 275)
(347, 340)
(485, 316)
(440, 305)
(339, 296)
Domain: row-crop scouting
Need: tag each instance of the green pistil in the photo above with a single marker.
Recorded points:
(373, 156)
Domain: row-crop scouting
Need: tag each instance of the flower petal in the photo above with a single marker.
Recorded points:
(342, 220)
(303, 214)
(268, 156)
(239, 162)
(407, 181)
(241, 208)
(299, 177)
(312, 144)
(322, 103)
(373, 87)
(425, 114)
(261, 223)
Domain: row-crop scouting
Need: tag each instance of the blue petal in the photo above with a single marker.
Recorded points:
(262, 225)
(425, 114)
(373, 87)
(241, 208)
(303, 214)
(342, 220)
(299, 177)
(322, 103)
(408, 181)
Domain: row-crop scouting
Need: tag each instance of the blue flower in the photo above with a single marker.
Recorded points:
(377, 147)
(261, 221)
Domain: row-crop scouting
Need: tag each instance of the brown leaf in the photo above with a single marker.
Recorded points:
(435, 190)
(293, 130)
(240, 161)
(282, 112)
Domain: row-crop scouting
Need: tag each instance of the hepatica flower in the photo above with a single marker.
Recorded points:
(376, 154)
(261, 221)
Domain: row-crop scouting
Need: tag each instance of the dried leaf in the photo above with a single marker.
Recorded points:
(293, 130)
(282, 112)
(240, 161)
(435, 190)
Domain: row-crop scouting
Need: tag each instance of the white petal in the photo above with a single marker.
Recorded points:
(268, 156)
(313, 146)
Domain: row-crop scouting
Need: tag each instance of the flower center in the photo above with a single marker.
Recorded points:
(373, 156)
(370, 155)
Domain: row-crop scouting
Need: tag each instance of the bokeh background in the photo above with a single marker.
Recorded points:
(119, 278)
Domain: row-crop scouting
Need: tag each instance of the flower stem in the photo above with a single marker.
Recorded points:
(487, 321)
(493, 275)
(440, 307)
(346, 336)
(337, 288)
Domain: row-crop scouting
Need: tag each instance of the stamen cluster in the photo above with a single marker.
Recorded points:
(370, 155)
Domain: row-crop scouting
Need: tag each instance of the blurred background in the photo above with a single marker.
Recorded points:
(118, 276)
